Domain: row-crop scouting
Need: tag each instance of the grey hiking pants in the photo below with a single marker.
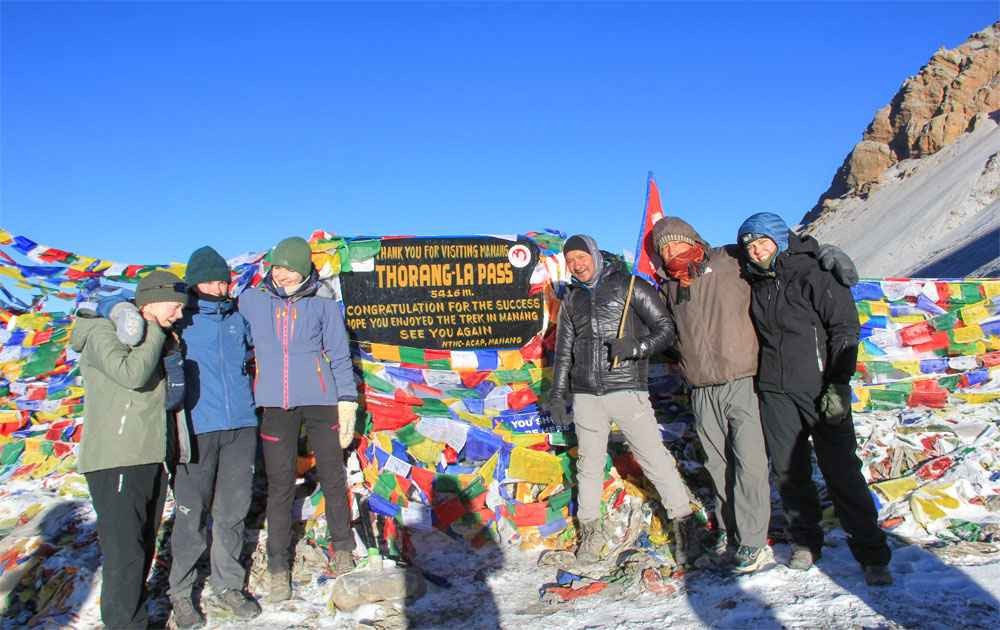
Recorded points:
(727, 420)
(218, 482)
(633, 413)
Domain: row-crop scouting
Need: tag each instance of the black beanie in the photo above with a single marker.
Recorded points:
(206, 265)
(575, 243)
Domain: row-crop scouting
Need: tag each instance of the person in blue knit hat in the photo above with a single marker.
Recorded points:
(807, 326)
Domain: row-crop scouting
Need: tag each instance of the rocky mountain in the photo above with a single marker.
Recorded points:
(920, 193)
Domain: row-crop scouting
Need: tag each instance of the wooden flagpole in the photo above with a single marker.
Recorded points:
(621, 324)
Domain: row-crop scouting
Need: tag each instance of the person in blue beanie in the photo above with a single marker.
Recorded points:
(807, 327)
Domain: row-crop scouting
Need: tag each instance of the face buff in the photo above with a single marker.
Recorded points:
(684, 267)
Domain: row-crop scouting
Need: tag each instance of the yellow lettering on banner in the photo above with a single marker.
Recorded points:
(974, 313)
(967, 334)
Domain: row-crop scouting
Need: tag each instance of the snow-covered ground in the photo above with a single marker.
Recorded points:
(943, 208)
(937, 586)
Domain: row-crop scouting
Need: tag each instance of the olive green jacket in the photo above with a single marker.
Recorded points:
(125, 422)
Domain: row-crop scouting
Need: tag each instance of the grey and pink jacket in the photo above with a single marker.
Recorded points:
(301, 346)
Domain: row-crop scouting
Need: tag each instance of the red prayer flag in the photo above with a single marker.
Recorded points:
(644, 247)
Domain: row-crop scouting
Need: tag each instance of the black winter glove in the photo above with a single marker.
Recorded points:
(626, 349)
(558, 414)
(836, 261)
(835, 403)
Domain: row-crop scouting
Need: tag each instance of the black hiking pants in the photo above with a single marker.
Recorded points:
(129, 504)
(279, 434)
(789, 420)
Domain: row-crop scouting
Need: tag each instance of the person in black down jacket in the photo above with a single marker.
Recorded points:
(807, 326)
(586, 347)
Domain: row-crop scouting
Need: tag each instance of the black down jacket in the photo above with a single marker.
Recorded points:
(589, 319)
(807, 322)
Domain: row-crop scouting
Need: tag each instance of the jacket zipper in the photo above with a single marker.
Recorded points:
(222, 372)
(819, 357)
(595, 332)
(284, 359)
(319, 374)
(121, 425)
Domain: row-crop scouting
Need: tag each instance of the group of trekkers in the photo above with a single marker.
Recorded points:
(183, 379)
(767, 336)
(175, 380)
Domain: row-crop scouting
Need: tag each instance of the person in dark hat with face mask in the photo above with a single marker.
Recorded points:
(807, 326)
(602, 392)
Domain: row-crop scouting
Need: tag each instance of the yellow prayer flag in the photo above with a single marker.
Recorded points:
(894, 489)
(967, 334)
(385, 352)
(534, 466)
(879, 308)
(974, 313)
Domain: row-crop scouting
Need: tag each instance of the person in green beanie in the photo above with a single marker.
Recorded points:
(304, 378)
(126, 437)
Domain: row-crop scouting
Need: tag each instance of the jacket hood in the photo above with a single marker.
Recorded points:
(595, 253)
(764, 224)
(86, 323)
(213, 307)
(306, 289)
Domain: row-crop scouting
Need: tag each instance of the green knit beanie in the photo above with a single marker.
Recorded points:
(206, 265)
(293, 253)
(160, 286)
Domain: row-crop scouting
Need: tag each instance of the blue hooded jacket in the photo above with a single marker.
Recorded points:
(217, 342)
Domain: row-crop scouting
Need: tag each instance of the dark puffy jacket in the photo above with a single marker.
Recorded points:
(589, 319)
(300, 346)
(217, 344)
(806, 321)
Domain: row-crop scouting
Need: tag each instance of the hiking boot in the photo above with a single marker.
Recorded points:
(878, 575)
(237, 602)
(687, 539)
(186, 614)
(589, 542)
(342, 562)
(281, 587)
(749, 559)
(802, 558)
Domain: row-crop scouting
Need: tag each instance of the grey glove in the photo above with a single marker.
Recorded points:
(835, 403)
(129, 324)
(558, 414)
(835, 260)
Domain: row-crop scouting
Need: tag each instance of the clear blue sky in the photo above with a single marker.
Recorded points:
(138, 132)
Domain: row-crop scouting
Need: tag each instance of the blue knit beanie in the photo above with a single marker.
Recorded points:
(764, 224)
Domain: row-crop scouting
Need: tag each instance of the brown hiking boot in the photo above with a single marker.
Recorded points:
(589, 542)
(342, 562)
(280, 587)
(687, 539)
